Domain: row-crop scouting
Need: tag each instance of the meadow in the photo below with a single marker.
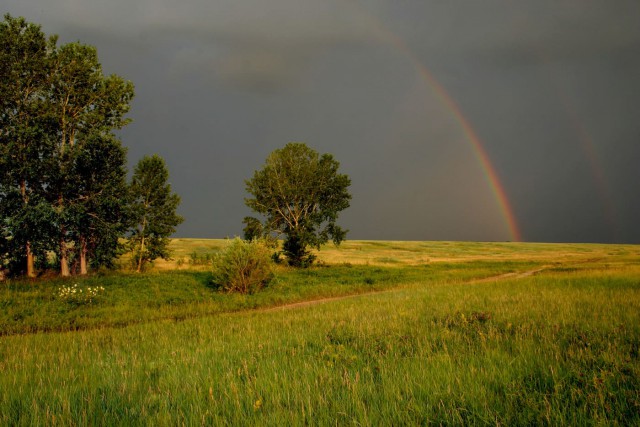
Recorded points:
(378, 333)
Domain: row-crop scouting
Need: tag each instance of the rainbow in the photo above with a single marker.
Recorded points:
(489, 171)
(471, 136)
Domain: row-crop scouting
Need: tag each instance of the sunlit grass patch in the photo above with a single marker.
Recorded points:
(416, 253)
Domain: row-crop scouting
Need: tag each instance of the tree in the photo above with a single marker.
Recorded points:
(153, 211)
(98, 211)
(24, 142)
(299, 195)
(85, 105)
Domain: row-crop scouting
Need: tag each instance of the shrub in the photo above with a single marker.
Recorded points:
(197, 259)
(243, 267)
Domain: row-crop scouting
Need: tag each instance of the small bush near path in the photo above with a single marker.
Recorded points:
(244, 267)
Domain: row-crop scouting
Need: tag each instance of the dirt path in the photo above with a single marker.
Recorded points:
(516, 275)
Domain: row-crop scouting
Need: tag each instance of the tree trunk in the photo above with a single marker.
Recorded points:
(64, 253)
(31, 272)
(83, 256)
(30, 258)
(141, 255)
(64, 260)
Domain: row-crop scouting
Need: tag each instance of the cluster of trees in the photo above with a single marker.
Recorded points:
(63, 187)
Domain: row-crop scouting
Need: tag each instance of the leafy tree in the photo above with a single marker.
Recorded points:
(85, 105)
(24, 79)
(31, 223)
(299, 195)
(153, 211)
(99, 208)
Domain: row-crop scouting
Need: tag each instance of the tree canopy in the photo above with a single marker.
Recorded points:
(62, 169)
(299, 194)
(153, 211)
(85, 107)
(25, 140)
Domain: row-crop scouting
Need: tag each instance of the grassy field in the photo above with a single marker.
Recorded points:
(380, 333)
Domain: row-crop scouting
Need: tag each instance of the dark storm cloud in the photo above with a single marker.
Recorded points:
(564, 28)
(244, 43)
(550, 88)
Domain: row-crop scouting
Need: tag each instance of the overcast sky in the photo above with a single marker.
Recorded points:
(551, 89)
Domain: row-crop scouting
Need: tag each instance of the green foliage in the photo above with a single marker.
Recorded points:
(243, 267)
(200, 259)
(88, 166)
(84, 100)
(300, 194)
(295, 249)
(31, 223)
(60, 164)
(100, 208)
(153, 211)
(25, 143)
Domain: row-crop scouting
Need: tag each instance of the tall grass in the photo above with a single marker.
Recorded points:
(129, 298)
(560, 347)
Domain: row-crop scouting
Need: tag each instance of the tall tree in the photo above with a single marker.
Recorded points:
(153, 211)
(84, 104)
(99, 208)
(24, 142)
(299, 195)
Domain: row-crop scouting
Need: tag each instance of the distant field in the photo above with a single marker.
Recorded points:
(380, 333)
(370, 252)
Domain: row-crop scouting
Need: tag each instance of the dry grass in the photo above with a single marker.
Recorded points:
(417, 253)
(183, 249)
(411, 253)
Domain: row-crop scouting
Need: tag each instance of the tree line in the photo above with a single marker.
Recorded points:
(63, 175)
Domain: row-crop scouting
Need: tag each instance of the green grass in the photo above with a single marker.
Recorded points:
(130, 298)
(560, 347)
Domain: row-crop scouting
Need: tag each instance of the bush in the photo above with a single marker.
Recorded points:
(243, 267)
(197, 259)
